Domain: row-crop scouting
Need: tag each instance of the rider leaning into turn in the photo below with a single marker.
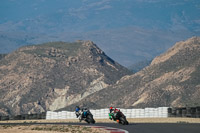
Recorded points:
(113, 112)
(80, 112)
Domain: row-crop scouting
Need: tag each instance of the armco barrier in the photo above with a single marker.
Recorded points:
(198, 112)
(193, 112)
(24, 117)
(4, 118)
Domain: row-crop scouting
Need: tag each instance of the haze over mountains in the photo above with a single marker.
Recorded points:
(127, 30)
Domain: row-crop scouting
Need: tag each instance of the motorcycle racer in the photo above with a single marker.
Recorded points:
(84, 114)
(79, 113)
(112, 114)
(117, 116)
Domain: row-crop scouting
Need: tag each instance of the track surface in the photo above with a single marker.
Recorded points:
(138, 127)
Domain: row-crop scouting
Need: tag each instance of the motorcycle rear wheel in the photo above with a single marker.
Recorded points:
(123, 121)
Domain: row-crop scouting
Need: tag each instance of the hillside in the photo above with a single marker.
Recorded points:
(136, 67)
(172, 79)
(2, 56)
(53, 75)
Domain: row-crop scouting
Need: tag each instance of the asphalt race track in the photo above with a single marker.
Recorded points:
(138, 127)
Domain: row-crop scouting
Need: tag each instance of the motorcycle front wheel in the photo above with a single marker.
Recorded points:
(123, 121)
(90, 119)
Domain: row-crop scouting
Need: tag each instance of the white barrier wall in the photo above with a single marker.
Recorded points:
(160, 112)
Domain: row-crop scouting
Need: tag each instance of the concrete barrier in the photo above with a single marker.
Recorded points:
(160, 112)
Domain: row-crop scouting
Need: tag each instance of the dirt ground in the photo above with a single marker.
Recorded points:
(48, 129)
(79, 129)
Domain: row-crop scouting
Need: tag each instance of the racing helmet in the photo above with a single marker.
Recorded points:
(77, 108)
(111, 109)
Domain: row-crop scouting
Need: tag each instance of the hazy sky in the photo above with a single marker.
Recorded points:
(122, 28)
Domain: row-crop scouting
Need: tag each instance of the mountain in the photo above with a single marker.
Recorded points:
(2, 56)
(172, 79)
(53, 75)
(139, 65)
(127, 30)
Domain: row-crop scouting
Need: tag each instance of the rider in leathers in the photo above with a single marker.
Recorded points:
(80, 112)
(113, 113)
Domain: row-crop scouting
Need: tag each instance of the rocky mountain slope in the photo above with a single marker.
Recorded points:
(136, 67)
(2, 56)
(54, 75)
(172, 79)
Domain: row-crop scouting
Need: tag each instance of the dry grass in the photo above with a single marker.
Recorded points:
(79, 129)
(47, 129)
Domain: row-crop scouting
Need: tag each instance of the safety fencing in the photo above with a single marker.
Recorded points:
(161, 112)
(193, 112)
(24, 117)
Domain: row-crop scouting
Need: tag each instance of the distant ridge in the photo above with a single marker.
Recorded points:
(54, 75)
(139, 65)
(172, 80)
(2, 56)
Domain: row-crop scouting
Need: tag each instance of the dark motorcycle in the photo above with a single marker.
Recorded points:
(120, 118)
(88, 117)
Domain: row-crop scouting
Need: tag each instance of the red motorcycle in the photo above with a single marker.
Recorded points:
(119, 117)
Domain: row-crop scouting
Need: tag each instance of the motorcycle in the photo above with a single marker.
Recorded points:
(120, 118)
(88, 117)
